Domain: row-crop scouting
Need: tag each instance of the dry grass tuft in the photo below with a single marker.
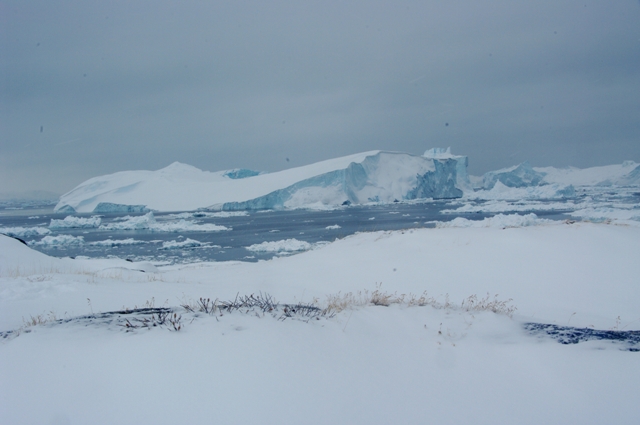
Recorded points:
(339, 302)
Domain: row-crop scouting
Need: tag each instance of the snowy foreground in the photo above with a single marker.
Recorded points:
(370, 364)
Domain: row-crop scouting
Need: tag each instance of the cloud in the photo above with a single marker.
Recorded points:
(138, 85)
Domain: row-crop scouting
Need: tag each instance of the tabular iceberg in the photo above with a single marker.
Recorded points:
(384, 177)
(374, 176)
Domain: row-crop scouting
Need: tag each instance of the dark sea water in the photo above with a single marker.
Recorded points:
(313, 227)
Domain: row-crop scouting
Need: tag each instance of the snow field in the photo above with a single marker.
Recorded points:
(370, 364)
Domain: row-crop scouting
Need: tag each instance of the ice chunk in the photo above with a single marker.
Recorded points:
(148, 222)
(117, 242)
(500, 220)
(71, 222)
(604, 214)
(286, 245)
(501, 191)
(187, 243)
(24, 232)
(59, 241)
(133, 223)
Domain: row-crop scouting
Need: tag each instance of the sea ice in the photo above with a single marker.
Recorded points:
(186, 244)
(286, 245)
(117, 242)
(24, 232)
(148, 222)
(500, 220)
(59, 241)
(71, 222)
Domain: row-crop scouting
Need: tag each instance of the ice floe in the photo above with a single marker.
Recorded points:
(24, 232)
(71, 222)
(499, 220)
(148, 222)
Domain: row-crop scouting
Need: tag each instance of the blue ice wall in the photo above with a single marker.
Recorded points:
(438, 184)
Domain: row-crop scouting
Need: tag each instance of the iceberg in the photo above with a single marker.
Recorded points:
(522, 175)
(375, 176)
(625, 174)
(526, 182)
(385, 177)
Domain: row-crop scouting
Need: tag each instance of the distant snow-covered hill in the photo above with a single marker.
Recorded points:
(374, 176)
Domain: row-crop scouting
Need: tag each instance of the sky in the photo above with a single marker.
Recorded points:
(92, 88)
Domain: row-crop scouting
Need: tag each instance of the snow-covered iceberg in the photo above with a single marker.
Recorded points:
(625, 174)
(524, 175)
(374, 176)
(526, 182)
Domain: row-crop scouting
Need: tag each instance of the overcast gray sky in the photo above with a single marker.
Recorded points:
(91, 88)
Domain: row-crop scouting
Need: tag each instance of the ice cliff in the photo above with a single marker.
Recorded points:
(384, 177)
(374, 176)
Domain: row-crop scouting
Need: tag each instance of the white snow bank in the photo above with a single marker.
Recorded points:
(71, 222)
(286, 245)
(22, 262)
(500, 221)
(148, 222)
(25, 232)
